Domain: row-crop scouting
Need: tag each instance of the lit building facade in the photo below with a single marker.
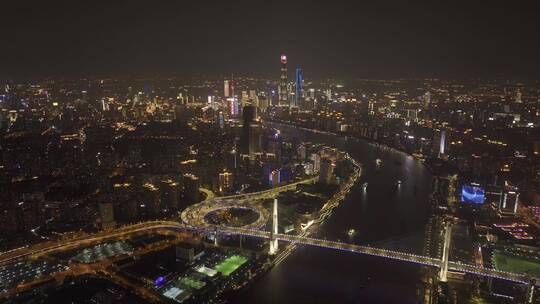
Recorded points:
(283, 90)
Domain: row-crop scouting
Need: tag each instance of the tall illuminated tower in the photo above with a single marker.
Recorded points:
(273, 241)
(226, 88)
(443, 273)
(427, 99)
(442, 143)
(299, 87)
(234, 111)
(283, 91)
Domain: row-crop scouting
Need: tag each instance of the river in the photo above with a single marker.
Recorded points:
(384, 215)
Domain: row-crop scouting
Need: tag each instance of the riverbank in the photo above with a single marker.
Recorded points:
(369, 141)
(380, 212)
(325, 211)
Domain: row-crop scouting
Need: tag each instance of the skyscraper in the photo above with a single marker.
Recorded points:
(106, 214)
(250, 138)
(226, 88)
(254, 98)
(233, 106)
(328, 94)
(248, 114)
(244, 98)
(325, 174)
(518, 96)
(191, 188)
(283, 92)
(225, 181)
(234, 111)
(169, 194)
(427, 99)
(299, 94)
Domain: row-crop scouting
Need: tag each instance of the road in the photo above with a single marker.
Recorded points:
(209, 195)
(151, 226)
(170, 225)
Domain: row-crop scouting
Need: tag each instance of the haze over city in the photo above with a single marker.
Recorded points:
(388, 39)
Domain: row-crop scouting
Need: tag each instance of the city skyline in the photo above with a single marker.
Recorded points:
(270, 152)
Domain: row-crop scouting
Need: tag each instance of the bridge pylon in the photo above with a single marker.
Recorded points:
(446, 251)
(273, 241)
(530, 291)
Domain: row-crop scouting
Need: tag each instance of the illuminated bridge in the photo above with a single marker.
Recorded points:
(379, 252)
(270, 193)
(171, 225)
(238, 231)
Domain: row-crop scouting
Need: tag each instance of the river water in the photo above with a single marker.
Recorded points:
(385, 215)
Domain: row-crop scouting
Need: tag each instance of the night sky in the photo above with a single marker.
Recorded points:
(379, 39)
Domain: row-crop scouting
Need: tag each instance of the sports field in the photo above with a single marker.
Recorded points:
(511, 263)
(192, 283)
(230, 264)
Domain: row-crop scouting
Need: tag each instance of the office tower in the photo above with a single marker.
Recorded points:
(250, 142)
(427, 99)
(263, 103)
(509, 201)
(274, 147)
(187, 253)
(371, 108)
(169, 194)
(518, 96)
(328, 94)
(226, 88)
(231, 85)
(302, 152)
(248, 114)
(220, 119)
(106, 215)
(125, 207)
(151, 199)
(316, 159)
(283, 91)
(325, 175)
(225, 181)
(311, 93)
(274, 178)
(290, 93)
(253, 97)
(233, 106)
(104, 105)
(299, 94)
(244, 98)
(412, 114)
(191, 188)
(247, 117)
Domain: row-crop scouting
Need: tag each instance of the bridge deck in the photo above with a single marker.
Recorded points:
(157, 225)
(396, 255)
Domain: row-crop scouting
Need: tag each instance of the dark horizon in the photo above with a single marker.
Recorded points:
(341, 40)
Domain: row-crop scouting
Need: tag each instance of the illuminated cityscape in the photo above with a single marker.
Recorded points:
(261, 152)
